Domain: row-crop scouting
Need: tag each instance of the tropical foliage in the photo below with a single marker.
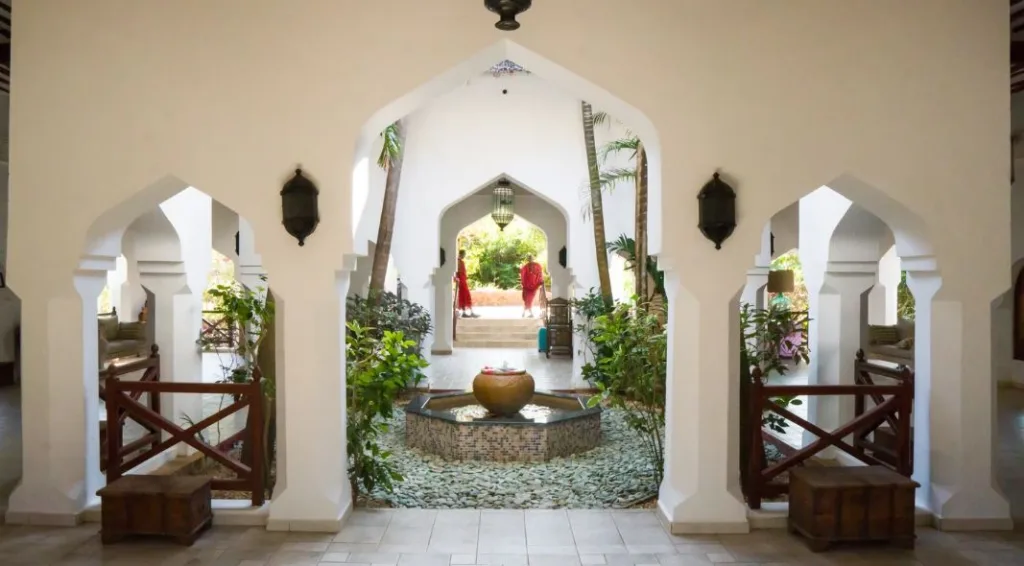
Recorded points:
(493, 257)
(249, 313)
(588, 309)
(906, 307)
(378, 366)
(635, 349)
(389, 314)
(626, 247)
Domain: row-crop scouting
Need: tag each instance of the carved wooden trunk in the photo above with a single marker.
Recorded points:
(174, 506)
(866, 503)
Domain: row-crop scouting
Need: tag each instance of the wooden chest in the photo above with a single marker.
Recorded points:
(174, 506)
(866, 503)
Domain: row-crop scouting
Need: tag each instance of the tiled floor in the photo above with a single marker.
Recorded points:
(559, 538)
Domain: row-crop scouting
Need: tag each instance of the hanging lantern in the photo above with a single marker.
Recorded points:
(507, 11)
(504, 210)
(717, 211)
(299, 211)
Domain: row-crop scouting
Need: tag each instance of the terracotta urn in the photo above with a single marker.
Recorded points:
(503, 391)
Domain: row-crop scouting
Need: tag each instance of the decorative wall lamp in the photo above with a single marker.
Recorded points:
(504, 210)
(563, 256)
(507, 11)
(717, 202)
(299, 210)
(442, 258)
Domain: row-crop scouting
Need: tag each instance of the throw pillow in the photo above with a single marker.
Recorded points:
(882, 335)
(131, 331)
(906, 343)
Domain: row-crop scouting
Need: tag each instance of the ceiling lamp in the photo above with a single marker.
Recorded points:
(504, 210)
(507, 11)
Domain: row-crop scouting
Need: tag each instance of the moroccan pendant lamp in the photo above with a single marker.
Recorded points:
(504, 204)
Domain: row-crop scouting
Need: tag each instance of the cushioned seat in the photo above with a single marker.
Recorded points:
(120, 339)
(893, 344)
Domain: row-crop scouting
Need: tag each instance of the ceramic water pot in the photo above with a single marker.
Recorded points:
(503, 392)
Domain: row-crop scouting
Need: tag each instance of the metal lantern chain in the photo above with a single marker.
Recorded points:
(504, 210)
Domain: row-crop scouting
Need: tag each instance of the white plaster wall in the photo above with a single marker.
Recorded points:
(819, 214)
(785, 226)
(832, 104)
(190, 212)
(225, 226)
(473, 135)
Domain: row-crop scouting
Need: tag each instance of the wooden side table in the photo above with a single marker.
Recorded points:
(172, 506)
(851, 504)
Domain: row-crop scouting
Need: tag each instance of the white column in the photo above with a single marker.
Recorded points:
(701, 490)
(312, 491)
(442, 340)
(841, 320)
(175, 318)
(755, 289)
(60, 401)
(249, 271)
(882, 299)
(954, 409)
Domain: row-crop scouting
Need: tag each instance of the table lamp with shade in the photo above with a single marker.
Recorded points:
(781, 281)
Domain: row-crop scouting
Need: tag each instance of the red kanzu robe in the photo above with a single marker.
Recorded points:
(531, 276)
(465, 300)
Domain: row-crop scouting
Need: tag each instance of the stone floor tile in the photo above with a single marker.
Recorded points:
(503, 559)
(363, 534)
(464, 559)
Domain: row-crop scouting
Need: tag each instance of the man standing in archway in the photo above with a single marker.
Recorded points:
(531, 277)
(462, 279)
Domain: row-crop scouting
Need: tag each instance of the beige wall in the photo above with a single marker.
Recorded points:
(782, 100)
(897, 105)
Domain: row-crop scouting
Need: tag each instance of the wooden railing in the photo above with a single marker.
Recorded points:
(894, 405)
(882, 444)
(150, 368)
(216, 331)
(122, 398)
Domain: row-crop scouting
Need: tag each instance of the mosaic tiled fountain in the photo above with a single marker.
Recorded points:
(503, 420)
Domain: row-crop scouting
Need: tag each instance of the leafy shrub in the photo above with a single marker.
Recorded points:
(588, 309)
(635, 350)
(906, 307)
(493, 257)
(377, 369)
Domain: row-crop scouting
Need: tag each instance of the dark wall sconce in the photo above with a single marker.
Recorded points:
(237, 246)
(299, 209)
(443, 258)
(717, 206)
(563, 257)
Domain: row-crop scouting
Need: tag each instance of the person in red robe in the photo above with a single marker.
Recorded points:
(462, 279)
(531, 277)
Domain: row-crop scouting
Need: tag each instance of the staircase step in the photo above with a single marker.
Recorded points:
(497, 335)
(496, 344)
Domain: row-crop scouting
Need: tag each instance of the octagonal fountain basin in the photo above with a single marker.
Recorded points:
(456, 427)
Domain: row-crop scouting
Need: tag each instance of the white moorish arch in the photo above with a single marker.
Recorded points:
(364, 158)
(530, 205)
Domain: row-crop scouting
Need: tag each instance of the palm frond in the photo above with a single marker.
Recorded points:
(630, 144)
(392, 146)
(601, 118)
(611, 177)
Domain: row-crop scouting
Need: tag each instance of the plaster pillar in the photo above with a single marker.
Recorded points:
(249, 271)
(60, 400)
(132, 295)
(701, 489)
(443, 307)
(882, 298)
(175, 317)
(312, 491)
(954, 409)
(755, 289)
(841, 318)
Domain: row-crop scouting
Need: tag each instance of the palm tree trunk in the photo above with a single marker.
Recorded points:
(640, 230)
(596, 207)
(386, 228)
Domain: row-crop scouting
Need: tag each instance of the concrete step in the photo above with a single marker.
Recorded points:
(477, 336)
(524, 344)
(503, 323)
